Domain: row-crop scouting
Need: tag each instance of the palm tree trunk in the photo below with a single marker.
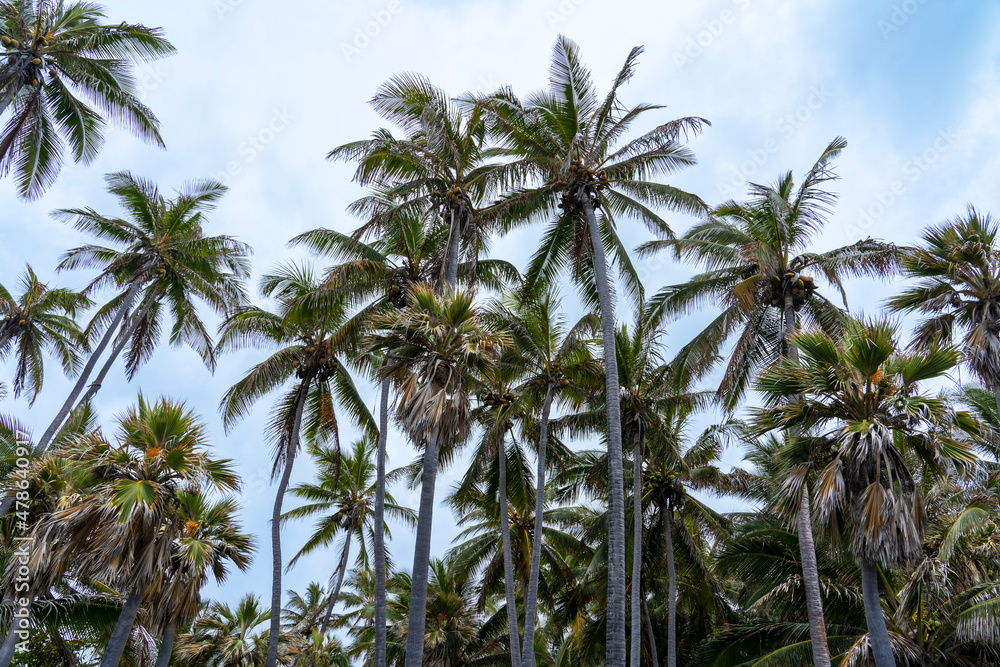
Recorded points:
(807, 547)
(123, 630)
(380, 629)
(508, 562)
(166, 646)
(878, 635)
(9, 644)
(648, 622)
(89, 368)
(451, 270)
(95, 386)
(636, 627)
(810, 581)
(668, 531)
(531, 597)
(422, 557)
(341, 570)
(293, 444)
(615, 648)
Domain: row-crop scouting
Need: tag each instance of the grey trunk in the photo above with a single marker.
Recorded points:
(810, 580)
(451, 270)
(421, 558)
(123, 630)
(615, 656)
(508, 563)
(341, 570)
(648, 622)
(531, 596)
(81, 381)
(636, 611)
(380, 629)
(166, 646)
(668, 530)
(95, 386)
(9, 644)
(878, 635)
(293, 444)
(807, 547)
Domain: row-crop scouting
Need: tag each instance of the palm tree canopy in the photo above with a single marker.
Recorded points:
(64, 74)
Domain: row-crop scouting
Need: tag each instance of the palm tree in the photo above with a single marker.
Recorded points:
(163, 260)
(54, 53)
(441, 170)
(302, 614)
(343, 499)
(435, 348)
(756, 260)
(563, 141)
(40, 320)
(864, 391)
(957, 269)
(224, 636)
(209, 537)
(121, 531)
(552, 359)
(307, 364)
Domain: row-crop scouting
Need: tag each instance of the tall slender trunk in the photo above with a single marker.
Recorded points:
(454, 244)
(668, 534)
(615, 644)
(81, 381)
(9, 644)
(341, 570)
(878, 635)
(636, 627)
(648, 622)
(293, 444)
(508, 562)
(383, 429)
(422, 557)
(531, 596)
(166, 646)
(95, 386)
(807, 547)
(123, 630)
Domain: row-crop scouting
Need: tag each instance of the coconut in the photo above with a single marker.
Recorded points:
(36, 61)
(5, 40)
(34, 82)
(22, 323)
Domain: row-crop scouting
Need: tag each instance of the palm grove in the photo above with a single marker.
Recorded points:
(870, 475)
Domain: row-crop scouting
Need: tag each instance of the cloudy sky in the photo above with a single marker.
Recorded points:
(258, 93)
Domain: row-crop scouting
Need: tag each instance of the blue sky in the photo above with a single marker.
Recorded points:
(257, 95)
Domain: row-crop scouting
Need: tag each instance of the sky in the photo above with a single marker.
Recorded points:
(257, 94)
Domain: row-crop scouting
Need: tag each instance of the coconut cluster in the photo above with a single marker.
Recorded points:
(799, 286)
(14, 318)
(33, 72)
(322, 367)
(580, 179)
(497, 400)
(398, 296)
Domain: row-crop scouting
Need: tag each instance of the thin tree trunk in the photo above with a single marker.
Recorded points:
(421, 557)
(451, 271)
(668, 530)
(878, 635)
(166, 646)
(341, 570)
(636, 627)
(807, 547)
(810, 581)
(531, 597)
(81, 381)
(615, 656)
(380, 629)
(95, 386)
(293, 443)
(9, 644)
(648, 622)
(508, 562)
(123, 630)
